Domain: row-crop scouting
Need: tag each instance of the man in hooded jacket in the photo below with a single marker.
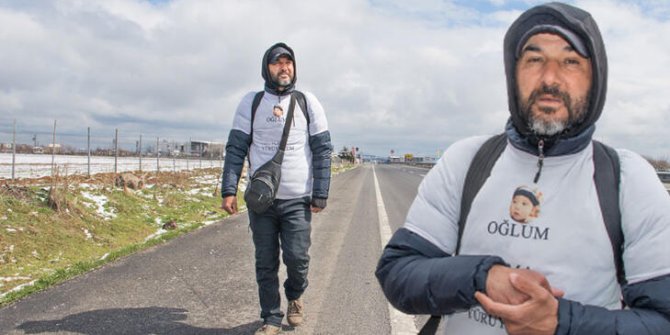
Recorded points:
(303, 189)
(553, 275)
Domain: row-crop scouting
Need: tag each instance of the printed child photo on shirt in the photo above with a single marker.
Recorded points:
(525, 204)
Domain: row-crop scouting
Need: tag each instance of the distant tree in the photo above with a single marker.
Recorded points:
(23, 149)
(345, 154)
(659, 164)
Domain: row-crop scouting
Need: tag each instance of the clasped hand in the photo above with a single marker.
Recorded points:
(523, 299)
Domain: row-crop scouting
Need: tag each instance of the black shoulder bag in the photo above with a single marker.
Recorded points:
(264, 183)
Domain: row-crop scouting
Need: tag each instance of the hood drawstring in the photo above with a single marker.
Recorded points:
(540, 160)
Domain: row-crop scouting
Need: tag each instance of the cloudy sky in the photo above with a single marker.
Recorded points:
(412, 76)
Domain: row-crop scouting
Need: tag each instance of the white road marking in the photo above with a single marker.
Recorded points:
(401, 323)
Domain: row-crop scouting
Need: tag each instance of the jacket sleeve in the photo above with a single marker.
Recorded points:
(236, 151)
(417, 277)
(321, 151)
(648, 312)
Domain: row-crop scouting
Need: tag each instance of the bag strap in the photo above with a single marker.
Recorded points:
(478, 172)
(430, 327)
(607, 177)
(279, 156)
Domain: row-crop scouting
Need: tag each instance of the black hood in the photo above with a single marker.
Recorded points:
(581, 24)
(271, 86)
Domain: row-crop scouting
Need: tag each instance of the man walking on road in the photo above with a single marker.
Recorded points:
(493, 273)
(303, 190)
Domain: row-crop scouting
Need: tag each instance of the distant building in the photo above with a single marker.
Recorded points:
(425, 159)
(5, 146)
(396, 159)
(53, 148)
(206, 149)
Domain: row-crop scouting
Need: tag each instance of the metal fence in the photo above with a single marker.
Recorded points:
(32, 154)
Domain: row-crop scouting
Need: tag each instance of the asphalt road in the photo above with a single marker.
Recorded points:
(204, 282)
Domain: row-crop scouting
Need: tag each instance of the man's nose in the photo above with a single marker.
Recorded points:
(551, 74)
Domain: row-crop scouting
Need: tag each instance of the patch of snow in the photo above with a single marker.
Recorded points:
(11, 230)
(104, 256)
(36, 165)
(209, 222)
(87, 233)
(18, 288)
(8, 279)
(160, 232)
(100, 201)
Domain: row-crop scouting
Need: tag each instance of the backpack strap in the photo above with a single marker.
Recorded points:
(254, 106)
(607, 177)
(478, 172)
(302, 102)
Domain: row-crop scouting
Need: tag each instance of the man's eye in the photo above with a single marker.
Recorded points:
(534, 59)
(572, 61)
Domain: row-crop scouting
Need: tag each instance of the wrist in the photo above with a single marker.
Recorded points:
(319, 202)
(483, 270)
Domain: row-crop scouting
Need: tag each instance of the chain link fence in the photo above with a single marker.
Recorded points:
(33, 154)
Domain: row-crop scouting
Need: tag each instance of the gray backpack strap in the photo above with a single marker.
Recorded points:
(607, 177)
(479, 171)
(254, 106)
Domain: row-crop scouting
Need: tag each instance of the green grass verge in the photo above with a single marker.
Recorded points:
(89, 223)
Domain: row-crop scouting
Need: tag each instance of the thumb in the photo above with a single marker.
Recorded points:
(557, 292)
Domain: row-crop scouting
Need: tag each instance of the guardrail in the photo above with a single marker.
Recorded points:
(417, 164)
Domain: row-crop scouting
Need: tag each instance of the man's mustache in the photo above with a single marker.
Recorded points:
(554, 91)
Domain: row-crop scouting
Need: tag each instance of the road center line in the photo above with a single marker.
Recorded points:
(401, 323)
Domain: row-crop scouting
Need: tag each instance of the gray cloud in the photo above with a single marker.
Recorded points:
(413, 78)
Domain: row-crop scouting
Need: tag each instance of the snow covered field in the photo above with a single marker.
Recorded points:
(35, 166)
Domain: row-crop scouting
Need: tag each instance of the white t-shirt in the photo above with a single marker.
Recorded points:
(554, 227)
(296, 179)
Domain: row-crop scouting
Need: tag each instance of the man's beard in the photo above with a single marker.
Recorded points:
(549, 127)
(281, 82)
